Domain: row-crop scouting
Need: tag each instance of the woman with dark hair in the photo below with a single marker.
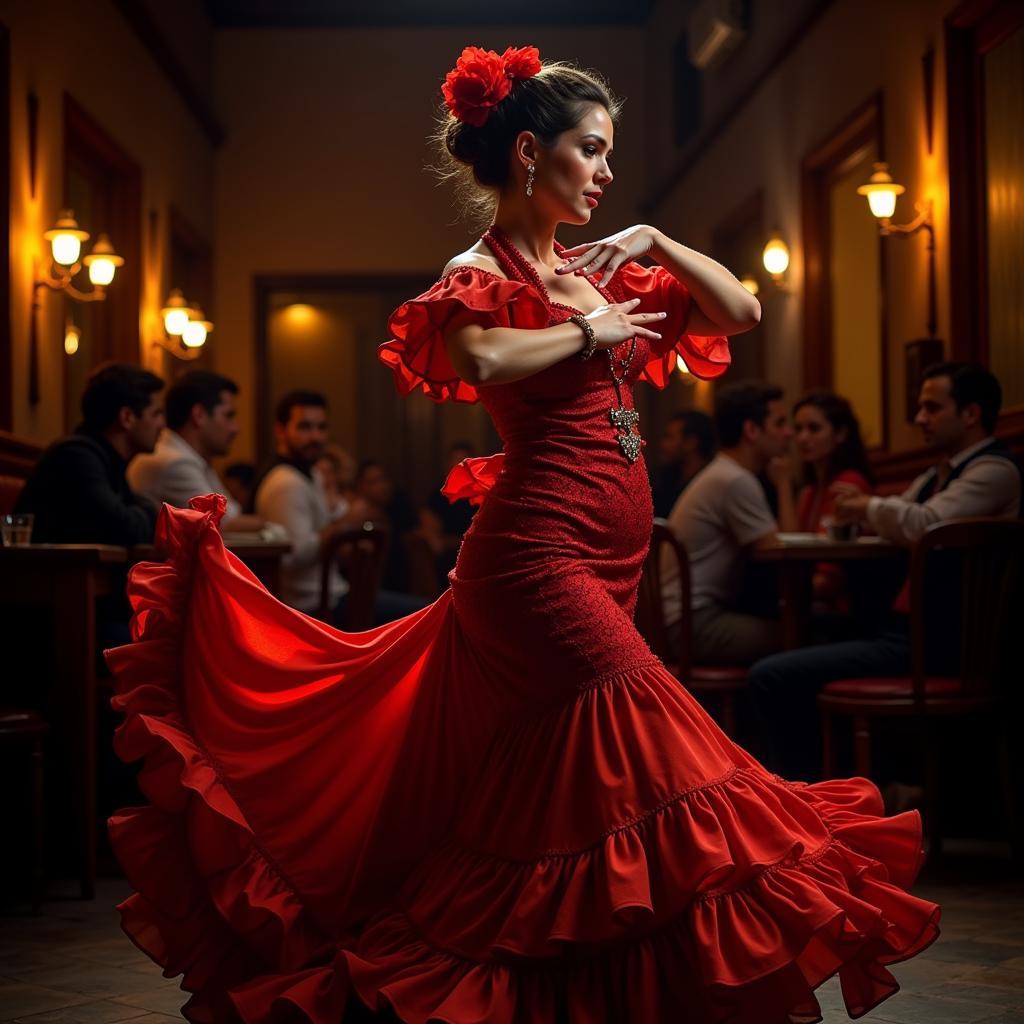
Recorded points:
(501, 808)
(829, 443)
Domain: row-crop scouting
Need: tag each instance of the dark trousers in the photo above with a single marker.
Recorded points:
(785, 689)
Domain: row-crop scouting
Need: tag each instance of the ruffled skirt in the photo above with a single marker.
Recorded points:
(339, 815)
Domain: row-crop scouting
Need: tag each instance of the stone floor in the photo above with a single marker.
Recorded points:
(72, 964)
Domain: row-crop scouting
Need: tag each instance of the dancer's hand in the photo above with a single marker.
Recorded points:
(615, 323)
(608, 254)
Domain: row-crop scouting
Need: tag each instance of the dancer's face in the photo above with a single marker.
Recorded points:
(571, 175)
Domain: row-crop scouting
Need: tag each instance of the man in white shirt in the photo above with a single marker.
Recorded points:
(291, 494)
(202, 423)
(720, 516)
(976, 475)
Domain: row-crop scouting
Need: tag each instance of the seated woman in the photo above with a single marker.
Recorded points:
(829, 444)
(830, 447)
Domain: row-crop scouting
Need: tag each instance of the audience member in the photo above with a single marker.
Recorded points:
(336, 470)
(829, 444)
(443, 522)
(687, 446)
(290, 494)
(722, 513)
(974, 476)
(78, 491)
(391, 509)
(239, 479)
(201, 425)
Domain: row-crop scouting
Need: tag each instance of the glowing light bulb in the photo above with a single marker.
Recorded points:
(72, 336)
(750, 283)
(102, 262)
(881, 191)
(66, 239)
(194, 334)
(176, 313)
(775, 256)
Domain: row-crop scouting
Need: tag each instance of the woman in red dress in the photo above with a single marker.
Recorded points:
(502, 808)
(830, 447)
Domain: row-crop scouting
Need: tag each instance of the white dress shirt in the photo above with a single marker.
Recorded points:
(174, 473)
(989, 486)
(298, 503)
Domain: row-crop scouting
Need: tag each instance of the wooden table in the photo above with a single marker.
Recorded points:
(796, 561)
(67, 579)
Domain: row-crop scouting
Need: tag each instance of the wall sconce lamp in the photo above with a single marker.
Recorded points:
(185, 327)
(775, 259)
(66, 238)
(881, 193)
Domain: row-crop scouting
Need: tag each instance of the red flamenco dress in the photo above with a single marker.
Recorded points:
(501, 809)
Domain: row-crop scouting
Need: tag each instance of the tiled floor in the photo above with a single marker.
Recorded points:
(72, 965)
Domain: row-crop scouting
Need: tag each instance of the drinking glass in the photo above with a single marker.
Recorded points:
(16, 530)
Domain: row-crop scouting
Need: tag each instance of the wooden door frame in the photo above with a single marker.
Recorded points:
(864, 126)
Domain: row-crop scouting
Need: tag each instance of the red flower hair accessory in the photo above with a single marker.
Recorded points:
(481, 79)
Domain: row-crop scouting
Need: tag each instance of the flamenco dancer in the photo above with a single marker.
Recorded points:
(501, 808)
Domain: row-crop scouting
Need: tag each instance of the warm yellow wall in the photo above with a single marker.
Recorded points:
(323, 166)
(89, 51)
(855, 49)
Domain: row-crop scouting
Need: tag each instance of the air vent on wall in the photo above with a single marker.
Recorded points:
(715, 30)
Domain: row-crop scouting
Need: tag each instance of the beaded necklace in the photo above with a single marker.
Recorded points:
(516, 265)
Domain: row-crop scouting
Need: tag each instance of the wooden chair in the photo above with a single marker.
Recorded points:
(20, 727)
(988, 558)
(360, 555)
(675, 646)
(423, 574)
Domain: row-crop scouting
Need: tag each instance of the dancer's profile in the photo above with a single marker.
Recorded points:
(502, 808)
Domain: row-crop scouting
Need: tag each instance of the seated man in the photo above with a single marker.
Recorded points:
(687, 446)
(975, 476)
(291, 494)
(78, 492)
(201, 424)
(722, 512)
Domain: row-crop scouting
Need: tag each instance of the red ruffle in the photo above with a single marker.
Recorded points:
(472, 479)
(417, 355)
(675, 909)
(659, 292)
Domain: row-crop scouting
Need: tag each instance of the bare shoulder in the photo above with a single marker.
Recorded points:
(479, 257)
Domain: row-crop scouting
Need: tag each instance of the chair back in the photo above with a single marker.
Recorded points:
(423, 575)
(360, 555)
(973, 568)
(665, 549)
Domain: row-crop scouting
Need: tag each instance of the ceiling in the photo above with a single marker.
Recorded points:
(424, 13)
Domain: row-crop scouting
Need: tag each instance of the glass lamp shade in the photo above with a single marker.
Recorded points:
(196, 330)
(102, 262)
(176, 313)
(775, 256)
(66, 239)
(194, 334)
(881, 192)
(72, 335)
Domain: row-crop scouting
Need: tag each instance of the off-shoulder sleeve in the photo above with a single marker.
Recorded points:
(658, 291)
(416, 352)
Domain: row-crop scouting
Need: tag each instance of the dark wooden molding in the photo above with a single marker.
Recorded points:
(18, 455)
(697, 148)
(6, 335)
(972, 29)
(826, 161)
(166, 60)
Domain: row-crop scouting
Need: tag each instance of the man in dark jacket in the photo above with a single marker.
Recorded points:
(77, 492)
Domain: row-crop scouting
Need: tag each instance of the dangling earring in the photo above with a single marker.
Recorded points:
(529, 179)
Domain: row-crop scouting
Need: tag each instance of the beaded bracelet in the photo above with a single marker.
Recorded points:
(588, 332)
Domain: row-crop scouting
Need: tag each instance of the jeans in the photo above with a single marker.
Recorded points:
(785, 689)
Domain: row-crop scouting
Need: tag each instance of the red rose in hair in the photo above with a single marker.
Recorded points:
(476, 84)
(523, 62)
(481, 79)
